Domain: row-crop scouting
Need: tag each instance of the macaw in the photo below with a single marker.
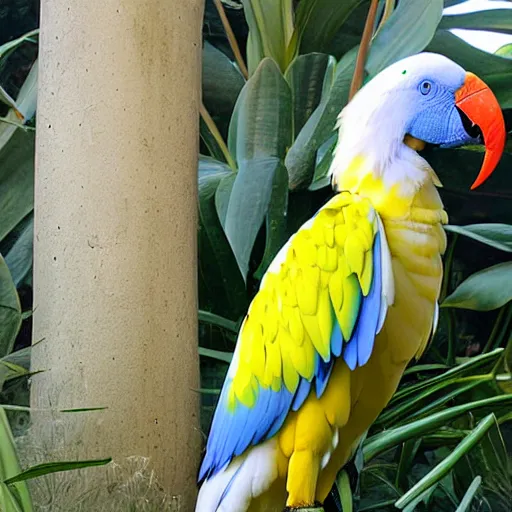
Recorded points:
(351, 298)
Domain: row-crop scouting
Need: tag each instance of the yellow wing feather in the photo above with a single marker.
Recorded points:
(319, 277)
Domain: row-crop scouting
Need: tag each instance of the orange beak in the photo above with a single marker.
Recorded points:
(478, 102)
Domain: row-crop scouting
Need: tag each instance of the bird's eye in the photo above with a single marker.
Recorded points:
(425, 87)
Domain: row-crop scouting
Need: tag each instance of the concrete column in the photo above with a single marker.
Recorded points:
(115, 228)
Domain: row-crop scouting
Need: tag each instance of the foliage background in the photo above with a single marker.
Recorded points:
(444, 442)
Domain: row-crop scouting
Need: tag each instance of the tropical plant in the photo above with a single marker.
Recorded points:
(267, 137)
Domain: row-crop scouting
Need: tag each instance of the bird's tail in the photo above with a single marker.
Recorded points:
(246, 478)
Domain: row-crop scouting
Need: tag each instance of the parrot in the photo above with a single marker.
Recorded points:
(351, 298)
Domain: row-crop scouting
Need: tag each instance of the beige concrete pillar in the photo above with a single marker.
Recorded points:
(115, 227)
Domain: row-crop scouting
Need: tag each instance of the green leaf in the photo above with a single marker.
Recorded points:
(10, 46)
(318, 22)
(344, 490)
(19, 257)
(55, 467)
(408, 31)
(248, 206)
(498, 236)
(275, 220)
(219, 321)
(325, 157)
(306, 78)
(221, 285)
(16, 176)
(423, 497)
(494, 20)
(8, 500)
(216, 354)
(494, 70)
(300, 160)
(465, 504)
(261, 125)
(444, 467)
(10, 466)
(504, 51)
(222, 82)
(466, 368)
(270, 31)
(222, 195)
(407, 455)
(383, 441)
(486, 290)
(10, 310)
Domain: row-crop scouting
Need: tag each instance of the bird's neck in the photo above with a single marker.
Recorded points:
(406, 183)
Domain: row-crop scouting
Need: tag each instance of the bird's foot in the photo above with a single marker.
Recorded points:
(317, 507)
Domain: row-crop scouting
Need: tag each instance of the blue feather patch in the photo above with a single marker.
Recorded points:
(233, 432)
(336, 339)
(301, 394)
(359, 348)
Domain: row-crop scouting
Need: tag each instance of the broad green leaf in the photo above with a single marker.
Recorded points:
(222, 195)
(221, 285)
(436, 474)
(465, 504)
(498, 236)
(494, 20)
(270, 31)
(19, 257)
(496, 71)
(275, 219)
(16, 176)
(10, 310)
(325, 156)
(504, 51)
(318, 22)
(300, 159)
(261, 125)
(209, 166)
(486, 290)
(216, 354)
(248, 205)
(10, 466)
(408, 31)
(222, 82)
(383, 441)
(55, 467)
(306, 78)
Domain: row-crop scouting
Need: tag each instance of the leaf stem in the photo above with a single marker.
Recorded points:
(210, 123)
(357, 80)
(231, 38)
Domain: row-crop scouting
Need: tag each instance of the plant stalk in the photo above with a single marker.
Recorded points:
(231, 38)
(210, 123)
(357, 80)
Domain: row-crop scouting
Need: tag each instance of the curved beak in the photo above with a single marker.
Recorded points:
(478, 102)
